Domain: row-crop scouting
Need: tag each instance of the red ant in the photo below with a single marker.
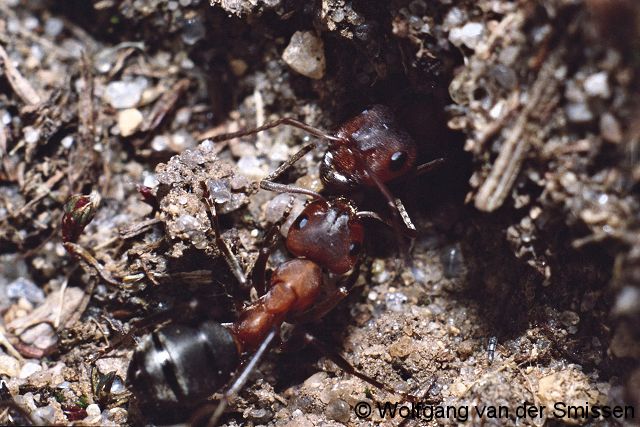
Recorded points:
(178, 365)
(368, 150)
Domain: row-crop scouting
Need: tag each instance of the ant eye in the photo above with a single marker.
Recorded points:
(354, 248)
(301, 222)
(398, 159)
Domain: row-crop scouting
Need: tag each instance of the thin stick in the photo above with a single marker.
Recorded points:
(232, 261)
(242, 378)
(56, 322)
(10, 348)
(75, 249)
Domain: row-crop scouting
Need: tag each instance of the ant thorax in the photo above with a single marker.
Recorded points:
(329, 233)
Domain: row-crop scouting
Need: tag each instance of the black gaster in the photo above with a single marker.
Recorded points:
(178, 366)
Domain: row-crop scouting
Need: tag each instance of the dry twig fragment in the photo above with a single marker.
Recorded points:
(20, 85)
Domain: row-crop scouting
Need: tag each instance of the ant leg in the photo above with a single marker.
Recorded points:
(286, 165)
(268, 182)
(242, 378)
(232, 261)
(258, 274)
(344, 364)
(286, 188)
(182, 311)
(283, 121)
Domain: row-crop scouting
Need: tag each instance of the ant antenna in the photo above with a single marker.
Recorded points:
(430, 166)
(409, 232)
(242, 378)
(283, 121)
(405, 216)
(372, 215)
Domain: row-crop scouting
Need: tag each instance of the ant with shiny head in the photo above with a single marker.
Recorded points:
(369, 150)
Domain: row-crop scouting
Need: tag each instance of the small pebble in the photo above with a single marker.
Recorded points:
(125, 94)
(93, 410)
(610, 128)
(46, 415)
(187, 223)
(160, 143)
(24, 288)
(238, 67)
(29, 369)
(395, 301)
(305, 54)
(470, 35)
(192, 31)
(260, 415)
(31, 135)
(597, 85)
(219, 190)
(627, 302)
(67, 141)
(9, 366)
(403, 347)
(129, 121)
(338, 410)
(569, 318)
(465, 349)
(53, 27)
(578, 113)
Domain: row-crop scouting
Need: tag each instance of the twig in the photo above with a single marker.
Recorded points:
(56, 322)
(165, 104)
(10, 348)
(505, 169)
(19, 84)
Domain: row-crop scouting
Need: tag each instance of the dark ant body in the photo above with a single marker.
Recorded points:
(178, 366)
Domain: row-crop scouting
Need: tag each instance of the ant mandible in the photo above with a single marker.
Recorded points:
(368, 150)
(179, 365)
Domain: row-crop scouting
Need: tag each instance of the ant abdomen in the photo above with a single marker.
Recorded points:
(178, 366)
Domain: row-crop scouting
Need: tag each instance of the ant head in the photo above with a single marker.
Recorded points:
(328, 233)
(374, 138)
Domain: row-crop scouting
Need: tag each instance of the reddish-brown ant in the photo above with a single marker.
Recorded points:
(369, 150)
(178, 366)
